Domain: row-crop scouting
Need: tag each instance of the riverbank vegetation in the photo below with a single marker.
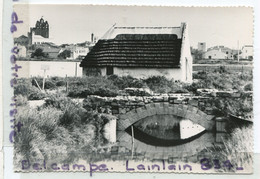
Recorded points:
(237, 149)
(60, 129)
(63, 129)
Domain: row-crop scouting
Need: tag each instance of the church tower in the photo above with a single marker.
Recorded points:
(39, 33)
(42, 28)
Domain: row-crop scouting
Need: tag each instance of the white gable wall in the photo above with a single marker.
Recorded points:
(186, 58)
(247, 52)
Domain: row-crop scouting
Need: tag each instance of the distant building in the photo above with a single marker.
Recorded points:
(202, 46)
(51, 50)
(22, 40)
(215, 54)
(77, 52)
(220, 52)
(247, 52)
(22, 44)
(40, 33)
(22, 50)
(142, 52)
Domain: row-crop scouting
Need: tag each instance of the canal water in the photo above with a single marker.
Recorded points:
(165, 130)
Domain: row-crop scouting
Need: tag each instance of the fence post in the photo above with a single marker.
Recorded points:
(133, 141)
(66, 79)
(43, 81)
(76, 69)
(37, 84)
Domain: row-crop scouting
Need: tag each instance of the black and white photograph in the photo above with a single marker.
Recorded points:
(105, 88)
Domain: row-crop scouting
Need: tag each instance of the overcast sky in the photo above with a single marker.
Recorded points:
(75, 23)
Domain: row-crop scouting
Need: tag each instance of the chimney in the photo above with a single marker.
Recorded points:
(92, 38)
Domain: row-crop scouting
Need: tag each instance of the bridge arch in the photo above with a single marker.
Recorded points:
(181, 110)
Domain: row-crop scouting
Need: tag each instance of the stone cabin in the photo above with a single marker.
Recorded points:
(142, 52)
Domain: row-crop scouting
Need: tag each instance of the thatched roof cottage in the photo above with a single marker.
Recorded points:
(142, 52)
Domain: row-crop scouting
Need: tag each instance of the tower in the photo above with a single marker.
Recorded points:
(202, 46)
(42, 28)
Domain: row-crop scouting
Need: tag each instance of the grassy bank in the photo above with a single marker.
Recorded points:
(62, 129)
(238, 150)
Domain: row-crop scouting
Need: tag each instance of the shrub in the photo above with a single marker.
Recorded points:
(38, 127)
(21, 100)
(58, 101)
(236, 106)
(238, 149)
(221, 79)
(99, 85)
(39, 53)
(158, 84)
(105, 92)
(249, 87)
(161, 84)
(65, 133)
(36, 94)
(24, 87)
(49, 84)
(69, 117)
(61, 83)
(200, 75)
(126, 82)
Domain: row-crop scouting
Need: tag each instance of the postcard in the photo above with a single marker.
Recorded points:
(102, 88)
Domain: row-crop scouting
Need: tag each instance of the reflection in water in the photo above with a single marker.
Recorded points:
(160, 126)
(156, 141)
(165, 130)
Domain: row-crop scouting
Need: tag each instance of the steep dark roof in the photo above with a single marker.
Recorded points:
(136, 50)
(22, 40)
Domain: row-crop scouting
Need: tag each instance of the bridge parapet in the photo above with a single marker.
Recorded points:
(199, 109)
(123, 104)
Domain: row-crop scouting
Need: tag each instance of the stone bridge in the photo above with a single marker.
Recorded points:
(130, 110)
(184, 111)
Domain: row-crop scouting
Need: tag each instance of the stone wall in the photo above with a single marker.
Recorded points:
(123, 104)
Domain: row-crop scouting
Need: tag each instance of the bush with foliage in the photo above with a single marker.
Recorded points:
(49, 83)
(236, 106)
(126, 82)
(25, 88)
(59, 101)
(94, 85)
(36, 94)
(60, 126)
(238, 149)
(61, 83)
(221, 79)
(21, 100)
(39, 53)
(65, 54)
(161, 84)
(248, 87)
